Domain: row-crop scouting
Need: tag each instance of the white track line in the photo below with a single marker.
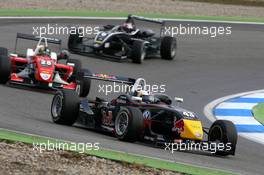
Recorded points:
(122, 18)
(255, 137)
(257, 95)
(240, 120)
(230, 105)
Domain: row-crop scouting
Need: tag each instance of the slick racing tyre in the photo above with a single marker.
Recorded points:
(5, 68)
(77, 66)
(83, 84)
(129, 124)
(223, 131)
(73, 41)
(138, 52)
(3, 51)
(168, 48)
(65, 107)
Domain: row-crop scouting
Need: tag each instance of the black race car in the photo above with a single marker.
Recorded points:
(126, 41)
(139, 115)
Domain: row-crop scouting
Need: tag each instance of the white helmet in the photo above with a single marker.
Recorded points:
(40, 49)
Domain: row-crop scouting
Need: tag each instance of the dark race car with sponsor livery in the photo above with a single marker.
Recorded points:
(40, 67)
(126, 41)
(139, 115)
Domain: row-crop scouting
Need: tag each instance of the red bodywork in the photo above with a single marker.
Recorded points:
(44, 69)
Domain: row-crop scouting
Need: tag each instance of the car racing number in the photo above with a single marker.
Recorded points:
(45, 62)
(188, 114)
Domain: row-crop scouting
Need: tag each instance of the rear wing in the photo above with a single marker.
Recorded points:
(105, 77)
(141, 18)
(37, 38)
(131, 18)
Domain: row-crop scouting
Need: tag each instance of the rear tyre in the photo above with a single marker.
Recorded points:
(5, 69)
(65, 107)
(3, 51)
(129, 124)
(138, 52)
(83, 84)
(224, 131)
(168, 48)
(74, 39)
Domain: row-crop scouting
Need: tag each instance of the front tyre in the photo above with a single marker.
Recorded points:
(83, 84)
(65, 107)
(138, 53)
(168, 48)
(5, 69)
(129, 124)
(223, 131)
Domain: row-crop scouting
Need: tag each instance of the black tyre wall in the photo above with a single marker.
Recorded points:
(167, 43)
(138, 49)
(85, 83)
(229, 135)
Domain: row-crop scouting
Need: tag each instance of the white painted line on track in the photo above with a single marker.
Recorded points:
(122, 18)
(231, 105)
(240, 120)
(256, 95)
(255, 137)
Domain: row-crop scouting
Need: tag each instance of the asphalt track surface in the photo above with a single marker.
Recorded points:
(205, 69)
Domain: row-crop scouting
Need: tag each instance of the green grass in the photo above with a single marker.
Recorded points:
(256, 3)
(39, 12)
(258, 112)
(116, 156)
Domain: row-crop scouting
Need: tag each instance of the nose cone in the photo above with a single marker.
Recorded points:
(45, 76)
(192, 130)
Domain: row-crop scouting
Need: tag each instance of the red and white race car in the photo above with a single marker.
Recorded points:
(40, 67)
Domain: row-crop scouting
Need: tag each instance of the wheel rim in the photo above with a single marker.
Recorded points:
(121, 123)
(217, 135)
(56, 106)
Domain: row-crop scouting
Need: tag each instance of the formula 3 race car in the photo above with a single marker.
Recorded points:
(126, 41)
(141, 116)
(40, 67)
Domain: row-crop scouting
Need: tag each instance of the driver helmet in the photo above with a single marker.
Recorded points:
(146, 96)
(128, 27)
(41, 50)
(141, 93)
